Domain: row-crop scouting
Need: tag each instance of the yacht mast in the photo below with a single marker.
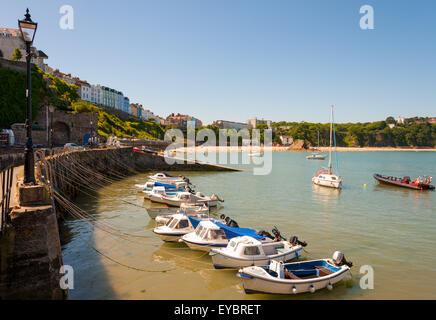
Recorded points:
(331, 132)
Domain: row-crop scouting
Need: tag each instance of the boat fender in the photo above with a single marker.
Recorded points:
(294, 290)
(311, 288)
(330, 286)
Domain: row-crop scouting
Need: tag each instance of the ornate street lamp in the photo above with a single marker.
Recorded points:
(28, 31)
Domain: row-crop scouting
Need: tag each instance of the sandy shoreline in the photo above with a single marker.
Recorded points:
(290, 149)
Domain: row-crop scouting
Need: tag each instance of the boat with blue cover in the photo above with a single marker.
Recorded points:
(296, 277)
(215, 234)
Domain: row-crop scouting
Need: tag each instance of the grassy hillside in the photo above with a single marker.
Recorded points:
(47, 89)
(110, 125)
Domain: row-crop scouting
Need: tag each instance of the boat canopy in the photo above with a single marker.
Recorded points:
(166, 186)
(232, 232)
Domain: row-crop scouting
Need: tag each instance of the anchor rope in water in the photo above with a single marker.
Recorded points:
(93, 221)
(93, 189)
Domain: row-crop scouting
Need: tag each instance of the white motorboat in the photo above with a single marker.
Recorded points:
(185, 197)
(164, 218)
(177, 226)
(246, 251)
(326, 177)
(297, 277)
(185, 208)
(165, 178)
(155, 192)
(167, 184)
(214, 234)
(207, 235)
(317, 155)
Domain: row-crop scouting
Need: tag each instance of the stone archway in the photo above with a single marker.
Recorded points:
(61, 133)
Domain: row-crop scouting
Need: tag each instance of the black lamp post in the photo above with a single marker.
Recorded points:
(28, 26)
(51, 109)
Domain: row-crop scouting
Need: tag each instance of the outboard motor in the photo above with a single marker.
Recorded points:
(215, 197)
(266, 234)
(277, 234)
(294, 241)
(231, 223)
(339, 259)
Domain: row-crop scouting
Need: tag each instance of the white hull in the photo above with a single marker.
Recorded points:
(327, 183)
(169, 238)
(204, 246)
(221, 261)
(256, 279)
(177, 203)
(274, 287)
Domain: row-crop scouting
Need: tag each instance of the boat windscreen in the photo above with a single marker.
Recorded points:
(194, 221)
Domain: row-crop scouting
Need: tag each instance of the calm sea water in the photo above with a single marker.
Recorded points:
(390, 229)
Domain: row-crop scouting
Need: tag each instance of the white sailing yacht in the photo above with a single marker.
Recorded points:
(326, 177)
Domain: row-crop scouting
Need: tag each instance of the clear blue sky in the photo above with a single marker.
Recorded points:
(236, 59)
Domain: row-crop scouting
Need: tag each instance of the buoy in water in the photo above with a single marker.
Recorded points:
(364, 185)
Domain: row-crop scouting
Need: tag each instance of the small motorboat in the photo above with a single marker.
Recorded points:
(215, 234)
(164, 218)
(326, 178)
(185, 208)
(177, 226)
(165, 178)
(296, 277)
(156, 191)
(420, 183)
(178, 198)
(168, 185)
(316, 156)
(246, 251)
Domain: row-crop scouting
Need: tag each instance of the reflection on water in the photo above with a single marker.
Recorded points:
(389, 228)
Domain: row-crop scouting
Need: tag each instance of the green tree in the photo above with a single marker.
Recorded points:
(16, 55)
(390, 120)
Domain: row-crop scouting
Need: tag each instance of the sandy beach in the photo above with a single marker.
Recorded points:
(293, 149)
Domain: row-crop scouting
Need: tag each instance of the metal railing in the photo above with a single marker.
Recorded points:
(6, 178)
